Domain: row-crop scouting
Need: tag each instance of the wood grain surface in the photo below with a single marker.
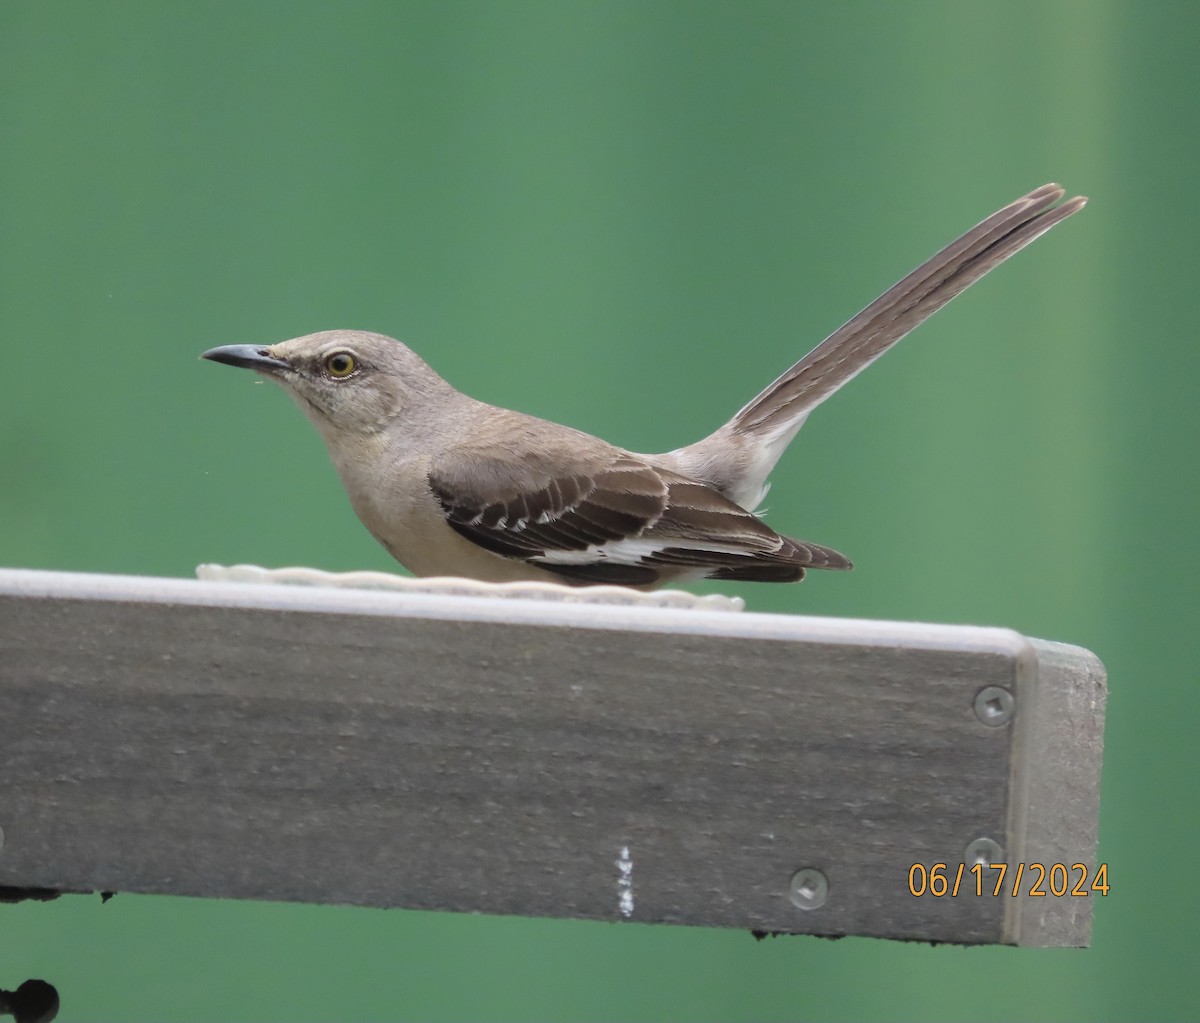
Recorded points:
(527, 757)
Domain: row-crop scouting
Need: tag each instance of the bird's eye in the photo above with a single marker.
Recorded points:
(340, 365)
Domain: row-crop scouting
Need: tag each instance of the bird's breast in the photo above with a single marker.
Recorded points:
(392, 498)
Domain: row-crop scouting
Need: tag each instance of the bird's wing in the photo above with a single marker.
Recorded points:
(611, 518)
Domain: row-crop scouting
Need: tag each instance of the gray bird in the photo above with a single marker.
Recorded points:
(452, 486)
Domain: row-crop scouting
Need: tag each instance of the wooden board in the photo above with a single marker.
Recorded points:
(534, 758)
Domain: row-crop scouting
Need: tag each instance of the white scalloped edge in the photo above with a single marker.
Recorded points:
(446, 585)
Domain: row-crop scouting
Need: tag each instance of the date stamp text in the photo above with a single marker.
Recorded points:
(979, 879)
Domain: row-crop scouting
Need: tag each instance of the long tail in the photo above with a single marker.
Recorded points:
(738, 457)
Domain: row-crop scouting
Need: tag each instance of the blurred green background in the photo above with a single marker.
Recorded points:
(627, 216)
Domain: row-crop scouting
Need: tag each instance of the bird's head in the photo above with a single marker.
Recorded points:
(345, 381)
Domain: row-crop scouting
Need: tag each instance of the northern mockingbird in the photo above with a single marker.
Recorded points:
(452, 486)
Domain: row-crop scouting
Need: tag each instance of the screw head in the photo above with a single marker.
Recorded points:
(983, 851)
(994, 706)
(809, 889)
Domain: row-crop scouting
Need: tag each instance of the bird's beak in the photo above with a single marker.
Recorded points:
(248, 357)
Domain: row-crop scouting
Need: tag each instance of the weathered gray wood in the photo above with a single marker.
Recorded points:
(1062, 796)
(458, 753)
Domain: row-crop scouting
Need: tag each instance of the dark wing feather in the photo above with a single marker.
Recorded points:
(533, 513)
(618, 519)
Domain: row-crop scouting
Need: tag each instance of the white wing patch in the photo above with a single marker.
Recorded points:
(631, 552)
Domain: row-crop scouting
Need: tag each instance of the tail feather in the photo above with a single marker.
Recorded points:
(907, 304)
(738, 457)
